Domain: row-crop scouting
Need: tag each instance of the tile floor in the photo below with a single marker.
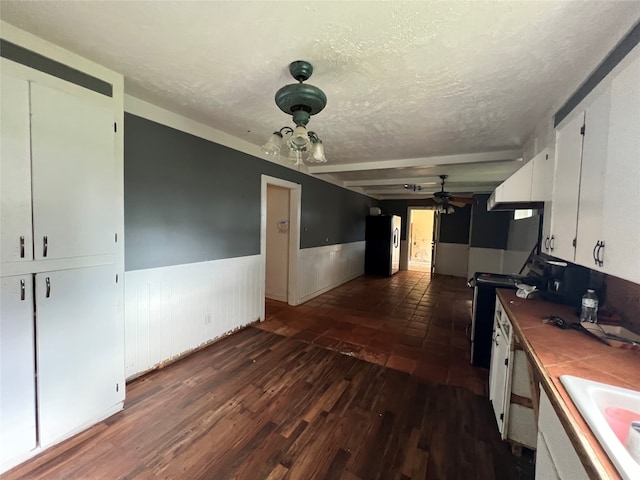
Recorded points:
(409, 322)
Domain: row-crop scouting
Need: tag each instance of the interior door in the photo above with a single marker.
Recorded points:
(566, 187)
(395, 252)
(15, 171)
(77, 348)
(73, 171)
(17, 368)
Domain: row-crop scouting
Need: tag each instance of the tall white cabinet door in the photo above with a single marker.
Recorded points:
(594, 160)
(73, 158)
(77, 348)
(15, 171)
(623, 175)
(17, 368)
(565, 192)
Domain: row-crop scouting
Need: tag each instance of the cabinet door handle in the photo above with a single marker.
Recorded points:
(595, 255)
(23, 290)
(551, 242)
(22, 247)
(546, 243)
(45, 245)
(48, 287)
(599, 258)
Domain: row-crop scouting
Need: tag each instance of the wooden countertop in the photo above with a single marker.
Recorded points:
(554, 352)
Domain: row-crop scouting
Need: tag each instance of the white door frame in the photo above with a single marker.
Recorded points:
(295, 196)
(408, 227)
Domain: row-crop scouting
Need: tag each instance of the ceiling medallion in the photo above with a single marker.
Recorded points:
(300, 100)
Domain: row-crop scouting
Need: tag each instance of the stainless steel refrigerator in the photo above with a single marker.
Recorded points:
(382, 250)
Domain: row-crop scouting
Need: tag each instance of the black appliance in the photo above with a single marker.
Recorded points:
(484, 305)
(382, 247)
(559, 281)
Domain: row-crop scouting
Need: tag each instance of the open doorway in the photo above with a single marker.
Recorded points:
(421, 239)
(280, 238)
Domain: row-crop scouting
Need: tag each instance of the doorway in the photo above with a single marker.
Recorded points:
(421, 239)
(279, 239)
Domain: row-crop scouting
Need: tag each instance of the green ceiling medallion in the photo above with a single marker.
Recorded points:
(300, 99)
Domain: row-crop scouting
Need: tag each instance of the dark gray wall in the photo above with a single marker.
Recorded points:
(191, 200)
(488, 229)
(454, 227)
(523, 233)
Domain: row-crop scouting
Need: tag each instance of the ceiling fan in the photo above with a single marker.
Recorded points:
(444, 200)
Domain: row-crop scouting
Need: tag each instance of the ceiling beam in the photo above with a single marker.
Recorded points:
(500, 155)
(431, 191)
(392, 181)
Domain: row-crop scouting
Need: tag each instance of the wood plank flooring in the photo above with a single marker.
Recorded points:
(259, 405)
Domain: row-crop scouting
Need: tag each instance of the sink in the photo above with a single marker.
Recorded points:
(592, 400)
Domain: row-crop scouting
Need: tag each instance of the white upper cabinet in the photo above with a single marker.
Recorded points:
(566, 188)
(15, 171)
(621, 219)
(73, 158)
(591, 198)
(542, 176)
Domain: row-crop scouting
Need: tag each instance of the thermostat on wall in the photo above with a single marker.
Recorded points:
(375, 211)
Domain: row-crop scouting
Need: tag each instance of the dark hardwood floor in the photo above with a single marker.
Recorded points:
(259, 405)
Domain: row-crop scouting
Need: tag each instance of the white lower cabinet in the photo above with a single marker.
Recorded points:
(17, 368)
(77, 349)
(556, 457)
(509, 384)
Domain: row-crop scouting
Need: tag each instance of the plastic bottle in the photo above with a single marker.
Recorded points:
(589, 311)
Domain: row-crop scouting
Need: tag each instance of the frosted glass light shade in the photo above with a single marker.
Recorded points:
(295, 157)
(317, 153)
(272, 147)
(299, 139)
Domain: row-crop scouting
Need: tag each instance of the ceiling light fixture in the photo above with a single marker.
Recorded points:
(300, 100)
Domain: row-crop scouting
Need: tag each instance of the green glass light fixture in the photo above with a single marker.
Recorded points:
(300, 100)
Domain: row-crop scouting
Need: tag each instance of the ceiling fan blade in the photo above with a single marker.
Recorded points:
(457, 204)
(464, 200)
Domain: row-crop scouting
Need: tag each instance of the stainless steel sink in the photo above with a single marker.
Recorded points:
(592, 399)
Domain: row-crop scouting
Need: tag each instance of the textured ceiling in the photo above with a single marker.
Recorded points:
(403, 80)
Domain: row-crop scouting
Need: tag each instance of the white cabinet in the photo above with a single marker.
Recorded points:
(15, 171)
(597, 178)
(566, 188)
(73, 160)
(542, 176)
(499, 373)
(77, 348)
(61, 345)
(17, 368)
(620, 225)
(591, 196)
(556, 456)
(510, 385)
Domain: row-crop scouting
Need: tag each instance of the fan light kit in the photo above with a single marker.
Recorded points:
(300, 100)
(444, 199)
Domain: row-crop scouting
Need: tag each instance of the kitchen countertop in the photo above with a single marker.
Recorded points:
(553, 352)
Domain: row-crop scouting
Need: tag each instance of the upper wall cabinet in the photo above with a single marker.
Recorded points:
(528, 187)
(16, 242)
(58, 169)
(596, 194)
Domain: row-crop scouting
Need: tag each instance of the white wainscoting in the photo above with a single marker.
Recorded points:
(322, 268)
(452, 259)
(489, 260)
(172, 310)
